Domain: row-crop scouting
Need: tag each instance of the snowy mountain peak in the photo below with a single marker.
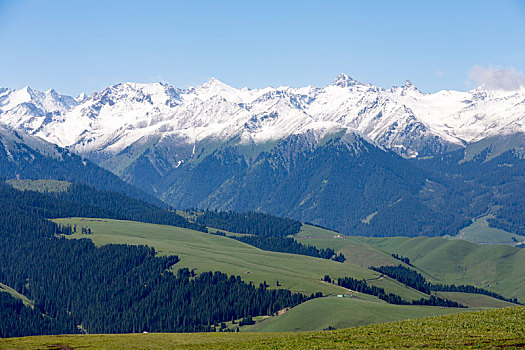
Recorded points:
(216, 88)
(408, 89)
(215, 85)
(401, 119)
(81, 98)
(344, 80)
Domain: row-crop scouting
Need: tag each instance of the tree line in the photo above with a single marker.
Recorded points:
(251, 222)
(289, 245)
(362, 287)
(83, 200)
(402, 258)
(415, 280)
(109, 289)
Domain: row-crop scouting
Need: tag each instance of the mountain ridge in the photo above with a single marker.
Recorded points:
(402, 119)
(350, 155)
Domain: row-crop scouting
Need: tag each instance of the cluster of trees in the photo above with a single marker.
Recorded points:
(19, 320)
(320, 226)
(252, 222)
(246, 321)
(109, 289)
(510, 217)
(415, 280)
(362, 287)
(289, 245)
(471, 289)
(402, 258)
(70, 229)
(83, 200)
(406, 276)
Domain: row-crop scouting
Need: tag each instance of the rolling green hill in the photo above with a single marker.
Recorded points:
(319, 314)
(499, 328)
(355, 252)
(497, 268)
(205, 252)
(473, 300)
(480, 232)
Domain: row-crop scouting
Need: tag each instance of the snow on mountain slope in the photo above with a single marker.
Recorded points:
(15, 141)
(402, 118)
(469, 116)
(29, 110)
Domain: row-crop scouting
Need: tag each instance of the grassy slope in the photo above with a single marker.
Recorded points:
(319, 314)
(206, 252)
(498, 268)
(498, 328)
(39, 185)
(480, 232)
(355, 252)
(473, 300)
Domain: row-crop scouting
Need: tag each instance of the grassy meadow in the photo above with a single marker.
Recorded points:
(474, 300)
(490, 329)
(498, 268)
(320, 314)
(480, 232)
(205, 252)
(495, 267)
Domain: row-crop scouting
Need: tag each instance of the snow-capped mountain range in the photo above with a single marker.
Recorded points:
(402, 119)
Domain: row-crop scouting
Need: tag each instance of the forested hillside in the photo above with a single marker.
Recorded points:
(338, 184)
(27, 157)
(83, 200)
(350, 185)
(485, 184)
(112, 289)
(255, 223)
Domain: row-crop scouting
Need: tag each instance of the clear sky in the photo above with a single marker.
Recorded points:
(76, 46)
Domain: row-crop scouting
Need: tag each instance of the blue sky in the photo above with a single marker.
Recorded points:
(76, 46)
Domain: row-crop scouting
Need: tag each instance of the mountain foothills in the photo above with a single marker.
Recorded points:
(350, 156)
(54, 280)
(72, 286)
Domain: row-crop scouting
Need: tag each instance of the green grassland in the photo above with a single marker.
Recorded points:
(319, 314)
(498, 268)
(497, 329)
(473, 300)
(39, 185)
(356, 253)
(206, 252)
(480, 232)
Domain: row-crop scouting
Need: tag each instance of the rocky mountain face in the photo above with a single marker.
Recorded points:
(344, 155)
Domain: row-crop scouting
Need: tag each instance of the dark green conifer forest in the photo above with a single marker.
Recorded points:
(78, 287)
